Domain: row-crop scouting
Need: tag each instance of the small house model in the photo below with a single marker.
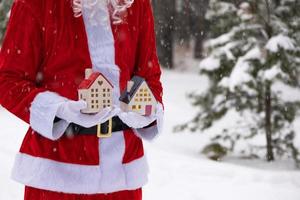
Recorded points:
(96, 90)
(138, 97)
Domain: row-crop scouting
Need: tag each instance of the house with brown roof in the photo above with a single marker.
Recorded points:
(138, 97)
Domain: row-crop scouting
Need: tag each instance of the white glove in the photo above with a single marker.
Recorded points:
(135, 120)
(70, 111)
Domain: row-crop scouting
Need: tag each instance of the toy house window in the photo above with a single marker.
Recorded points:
(145, 99)
(96, 101)
(141, 90)
(133, 107)
(141, 99)
(136, 99)
(108, 101)
(96, 90)
(104, 90)
(104, 106)
(149, 99)
(97, 106)
(108, 90)
(139, 106)
(104, 95)
(108, 95)
(92, 95)
(92, 90)
(104, 101)
(92, 106)
(96, 94)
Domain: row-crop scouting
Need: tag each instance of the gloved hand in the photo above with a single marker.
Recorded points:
(70, 111)
(135, 120)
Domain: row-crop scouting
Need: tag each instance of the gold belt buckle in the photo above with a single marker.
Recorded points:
(105, 135)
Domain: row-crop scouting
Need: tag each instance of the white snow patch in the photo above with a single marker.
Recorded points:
(226, 49)
(221, 39)
(245, 6)
(224, 82)
(240, 73)
(286, 92)
(219, 8)
(245, 11)
(271, 73)
(282, 41)
(210, 63)
(254, 53)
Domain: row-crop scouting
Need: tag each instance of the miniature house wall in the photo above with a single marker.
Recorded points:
(96, 90)
(141, 100)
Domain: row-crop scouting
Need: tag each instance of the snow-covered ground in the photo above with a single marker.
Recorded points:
(178, 171)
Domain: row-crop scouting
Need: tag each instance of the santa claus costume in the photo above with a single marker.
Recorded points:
(46, 49)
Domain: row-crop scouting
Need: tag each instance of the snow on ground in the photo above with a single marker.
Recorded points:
(178, 171)
(11, 132)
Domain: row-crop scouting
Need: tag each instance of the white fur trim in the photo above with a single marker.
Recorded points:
(78, 179)
(111, 152)
(152, 132)
(148, 134)
(42, 114)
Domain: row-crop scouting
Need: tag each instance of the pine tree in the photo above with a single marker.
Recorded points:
(252, 63)
(220, 16)
(164, 25)
(4, 14)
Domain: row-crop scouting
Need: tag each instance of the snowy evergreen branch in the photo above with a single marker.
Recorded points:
(252, 64)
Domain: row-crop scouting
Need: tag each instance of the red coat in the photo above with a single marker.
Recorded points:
(45, 49)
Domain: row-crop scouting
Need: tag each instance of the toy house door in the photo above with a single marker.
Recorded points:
(148, 110)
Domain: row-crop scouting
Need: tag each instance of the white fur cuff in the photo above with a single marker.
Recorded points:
(152, 132)
(42, 114)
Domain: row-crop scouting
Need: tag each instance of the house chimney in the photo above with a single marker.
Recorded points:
(129, 85)
(88, 72)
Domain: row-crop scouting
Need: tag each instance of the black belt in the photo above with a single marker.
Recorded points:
(102, 130)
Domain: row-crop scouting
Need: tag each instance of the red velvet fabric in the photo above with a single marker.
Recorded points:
(37, 194)
(45, 48)
(133, 146)
(80, 149)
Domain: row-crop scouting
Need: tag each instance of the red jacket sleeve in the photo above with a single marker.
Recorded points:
(147, 64)
(20, 59)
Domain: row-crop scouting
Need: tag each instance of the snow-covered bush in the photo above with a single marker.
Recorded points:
(254, 69)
